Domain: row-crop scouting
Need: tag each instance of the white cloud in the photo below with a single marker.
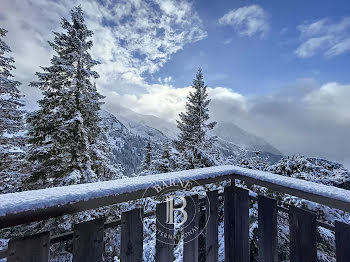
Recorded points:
(223, 93)
(313, 45)
(131, 38)
(311, 119)
(166, 101)
(161, 100)
(339, 48)
(330, 101)
(325, 37)
(247, 21)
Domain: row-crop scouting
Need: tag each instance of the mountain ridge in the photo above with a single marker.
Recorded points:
(227, 130)
(129, 131)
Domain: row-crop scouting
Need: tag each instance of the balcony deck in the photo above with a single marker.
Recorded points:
(25, 207)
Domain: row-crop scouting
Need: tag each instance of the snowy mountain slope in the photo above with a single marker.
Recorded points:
(127, 139)
(125, 127)
(143, 130)
(226, 131)
(234, 134)
(235, 141)
(128, 133)
(167, 128)
(231, 138)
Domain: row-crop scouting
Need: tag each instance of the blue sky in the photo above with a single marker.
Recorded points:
(255, 65)
(278, 69)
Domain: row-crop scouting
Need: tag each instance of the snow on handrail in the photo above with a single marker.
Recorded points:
(69, 199)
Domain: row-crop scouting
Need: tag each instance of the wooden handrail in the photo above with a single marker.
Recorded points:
(30, 206)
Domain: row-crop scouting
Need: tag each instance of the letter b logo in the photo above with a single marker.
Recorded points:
(170, 210)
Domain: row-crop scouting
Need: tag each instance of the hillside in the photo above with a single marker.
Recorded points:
(128, 132)
(127, 139)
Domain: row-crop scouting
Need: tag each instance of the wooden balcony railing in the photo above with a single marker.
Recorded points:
(25, 207)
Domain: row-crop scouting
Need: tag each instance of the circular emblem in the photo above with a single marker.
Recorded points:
(177, 210)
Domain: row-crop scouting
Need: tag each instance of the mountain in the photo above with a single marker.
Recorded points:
(225, 131)
(167, 128)
(233, 139)
(232, 133)
(127, 139)
(129, 131)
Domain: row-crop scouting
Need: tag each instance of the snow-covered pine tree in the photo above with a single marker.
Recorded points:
(254, 162)
(194, 144)
(165, 162)
(148, 166)
(147, 161)
(11, 119)
(68, 144)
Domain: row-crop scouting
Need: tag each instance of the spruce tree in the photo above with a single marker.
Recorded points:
(165, 162)
(193, 142)
(147, 161)
(68, 144)
(11, 118)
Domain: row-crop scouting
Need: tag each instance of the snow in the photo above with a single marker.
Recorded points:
(39, 199)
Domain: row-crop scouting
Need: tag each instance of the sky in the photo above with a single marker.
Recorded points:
(278, 69)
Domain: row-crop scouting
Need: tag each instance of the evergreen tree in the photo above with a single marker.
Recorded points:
(11, 117)
(165, 163)
(254, 162)
(68, 144)
(147, 161)
(193, 141)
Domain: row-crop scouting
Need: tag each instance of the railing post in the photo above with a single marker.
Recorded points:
(342, 240)
(30, 248)
(212, 220)
(302, 230)
(191, 230)
(202, 236)
(242, 250)
(229, 222)
(236, 224)
(164, 235)
(88, 241)
(131, 246)
(267, 228)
